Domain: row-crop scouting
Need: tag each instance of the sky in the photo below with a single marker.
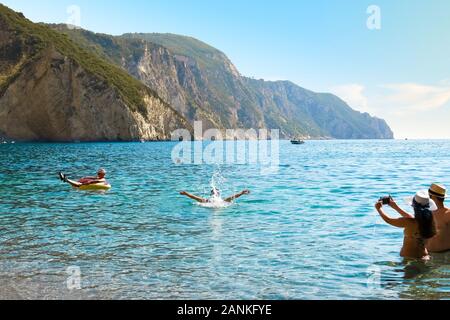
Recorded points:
(388, 58)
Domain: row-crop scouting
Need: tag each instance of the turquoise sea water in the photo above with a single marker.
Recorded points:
(307, 231)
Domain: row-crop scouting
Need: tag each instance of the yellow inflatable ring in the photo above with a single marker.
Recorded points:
(95, 187)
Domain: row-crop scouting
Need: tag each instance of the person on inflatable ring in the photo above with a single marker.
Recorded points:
(86, 181)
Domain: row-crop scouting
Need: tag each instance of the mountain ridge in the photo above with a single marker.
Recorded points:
(179, 77)
(231, 100)
(51, 89)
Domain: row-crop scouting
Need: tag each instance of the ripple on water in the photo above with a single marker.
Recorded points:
(308, 230)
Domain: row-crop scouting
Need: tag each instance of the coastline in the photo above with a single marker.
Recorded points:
(9, 141)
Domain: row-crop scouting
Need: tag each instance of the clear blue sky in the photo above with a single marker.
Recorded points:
(400, 72)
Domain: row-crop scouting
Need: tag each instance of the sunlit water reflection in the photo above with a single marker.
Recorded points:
(307, 231)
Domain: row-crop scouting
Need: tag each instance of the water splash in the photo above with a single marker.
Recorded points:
(218, 181)
(215, 201)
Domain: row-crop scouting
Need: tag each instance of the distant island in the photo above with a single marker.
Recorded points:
(64, 84)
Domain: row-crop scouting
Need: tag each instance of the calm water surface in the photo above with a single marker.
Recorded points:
(308, 231)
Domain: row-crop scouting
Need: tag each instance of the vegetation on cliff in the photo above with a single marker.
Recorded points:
(195, 79)
(36, 37)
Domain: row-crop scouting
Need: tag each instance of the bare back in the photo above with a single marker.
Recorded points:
(413, 243)
(441, 242)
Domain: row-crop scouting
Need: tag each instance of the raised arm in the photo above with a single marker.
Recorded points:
(402, 212)
(399, 223)
(240, 194)
(198, 199)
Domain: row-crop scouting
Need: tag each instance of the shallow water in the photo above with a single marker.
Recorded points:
(307, 231)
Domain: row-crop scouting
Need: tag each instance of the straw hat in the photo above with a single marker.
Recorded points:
(437, 190)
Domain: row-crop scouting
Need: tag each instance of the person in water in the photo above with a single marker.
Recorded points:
(215, 194)
(440, 242)
(100, 178)
(419, 227)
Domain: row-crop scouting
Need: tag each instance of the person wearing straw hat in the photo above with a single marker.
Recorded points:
(440, 242)
(418, 227)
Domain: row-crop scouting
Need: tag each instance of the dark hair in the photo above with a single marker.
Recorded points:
(424, 218)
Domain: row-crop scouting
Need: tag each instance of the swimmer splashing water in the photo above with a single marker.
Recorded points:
(215, 200)
(215, 197)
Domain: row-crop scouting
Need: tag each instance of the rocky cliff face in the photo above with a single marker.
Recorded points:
(177, 80)
(52, 90)
(314, 114)
(59, 84)
(211, 93)
(203, 84)
(210, 79)
(54, 99)
(210, 82)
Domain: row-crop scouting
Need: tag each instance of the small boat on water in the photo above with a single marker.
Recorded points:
(297, 142)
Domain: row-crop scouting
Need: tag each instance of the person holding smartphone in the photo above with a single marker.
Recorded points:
(418, 228)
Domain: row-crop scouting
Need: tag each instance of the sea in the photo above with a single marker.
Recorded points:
(307, 230)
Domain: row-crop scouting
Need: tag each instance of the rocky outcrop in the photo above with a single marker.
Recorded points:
(203, 84)
(210, 79)
(59, 84)
(212, 93)
(172, 77)
(319, 114)
(54, 99)
(50, 95)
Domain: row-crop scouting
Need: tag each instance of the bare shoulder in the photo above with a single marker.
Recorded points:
(406, 223)
(447, 214)
(410, 222)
